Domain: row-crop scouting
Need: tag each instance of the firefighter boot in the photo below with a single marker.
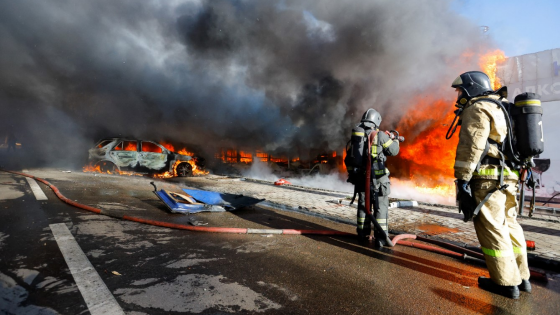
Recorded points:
(525, 286)
(510, 291)
(363, 236)
(379, 241)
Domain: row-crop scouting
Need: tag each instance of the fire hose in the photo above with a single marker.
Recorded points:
(367, 198)
(459, 252)
(183, 226)
(397, 239)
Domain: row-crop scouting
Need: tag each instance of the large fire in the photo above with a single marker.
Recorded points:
(97, 169)
(489, 62)
(195, 169)
(427, 158)
(131, 146)
(235, 156)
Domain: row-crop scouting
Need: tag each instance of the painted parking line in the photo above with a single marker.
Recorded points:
(96, 294)
(35, 188)
(37, 191)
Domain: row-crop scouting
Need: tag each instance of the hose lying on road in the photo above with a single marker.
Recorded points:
(396, 239)
(183, 226)
(461, 252)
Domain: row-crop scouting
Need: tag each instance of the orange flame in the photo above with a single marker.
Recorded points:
(168, 146)
(427, 158)
(489, 63)
(262, 156)
(245, 157)
(183, 151)
(131, 146)
(97, 169)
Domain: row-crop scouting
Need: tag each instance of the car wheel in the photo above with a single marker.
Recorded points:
(184, 169)
(107, 167)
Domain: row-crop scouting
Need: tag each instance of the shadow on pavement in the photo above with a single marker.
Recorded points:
(472, 304)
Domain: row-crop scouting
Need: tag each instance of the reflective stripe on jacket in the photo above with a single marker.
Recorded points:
(382, 147)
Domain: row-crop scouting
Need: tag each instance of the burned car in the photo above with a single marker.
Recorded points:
(140, 156)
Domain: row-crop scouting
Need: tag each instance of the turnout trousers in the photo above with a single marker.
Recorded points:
(500, 235)
(363, 226)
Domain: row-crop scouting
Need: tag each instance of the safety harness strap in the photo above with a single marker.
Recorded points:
(486, 148)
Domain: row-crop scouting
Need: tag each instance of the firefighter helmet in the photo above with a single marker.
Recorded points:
(371, 118)
(472, 84)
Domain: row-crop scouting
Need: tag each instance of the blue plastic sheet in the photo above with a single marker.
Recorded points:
(207, 201)
(228, 201)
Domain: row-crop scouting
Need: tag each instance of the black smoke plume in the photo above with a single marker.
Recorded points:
(286, 77)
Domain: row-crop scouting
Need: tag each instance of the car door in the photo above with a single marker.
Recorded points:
(125, 154)
(152, 156)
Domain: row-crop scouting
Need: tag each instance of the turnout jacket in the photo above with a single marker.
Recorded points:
(481, 120)
(381, 147)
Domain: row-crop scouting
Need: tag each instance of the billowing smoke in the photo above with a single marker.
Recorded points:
(281, 76)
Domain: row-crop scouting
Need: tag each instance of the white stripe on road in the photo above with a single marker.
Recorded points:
(96, 294)
(37, 191)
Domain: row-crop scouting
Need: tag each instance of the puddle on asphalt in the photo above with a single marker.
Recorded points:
(108, 192)
(191, 260)
(27, 275)
(290, 295)
(196, 293)
(145, 281)
(3, 237)
(119, 231)
(433, 229)
(117, 206)
(8, 192)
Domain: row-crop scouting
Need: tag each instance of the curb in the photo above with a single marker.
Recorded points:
(392, 205)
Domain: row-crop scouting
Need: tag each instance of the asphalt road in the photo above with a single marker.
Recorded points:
(155, 270)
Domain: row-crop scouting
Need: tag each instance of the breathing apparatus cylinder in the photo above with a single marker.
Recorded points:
(527, 117)
(355, 159)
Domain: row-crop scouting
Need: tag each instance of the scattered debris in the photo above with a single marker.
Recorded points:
(197, 223)
(116, 273)
(281, 182)
(193, 201)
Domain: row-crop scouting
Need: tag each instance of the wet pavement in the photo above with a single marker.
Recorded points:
(441, 222)
(155, 270)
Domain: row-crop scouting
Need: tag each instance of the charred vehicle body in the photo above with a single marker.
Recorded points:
(140, 156)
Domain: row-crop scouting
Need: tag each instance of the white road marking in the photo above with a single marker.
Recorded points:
(96, 294)
(37, 191)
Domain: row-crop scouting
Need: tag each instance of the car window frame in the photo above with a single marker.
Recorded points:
(119, 143)
(124, 148)
(163, 151)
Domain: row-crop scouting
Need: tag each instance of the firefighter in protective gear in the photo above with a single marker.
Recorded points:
(382, 146)
(500, 235)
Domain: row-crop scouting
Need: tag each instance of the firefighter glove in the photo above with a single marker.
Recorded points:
(467, 203)
(464, 188)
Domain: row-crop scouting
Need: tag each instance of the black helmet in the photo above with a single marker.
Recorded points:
(371, 118)
(472, 83)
